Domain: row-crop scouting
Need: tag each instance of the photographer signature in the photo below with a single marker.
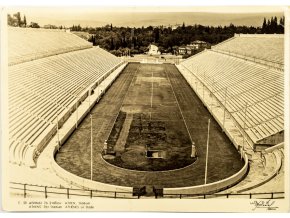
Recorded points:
(267, 204)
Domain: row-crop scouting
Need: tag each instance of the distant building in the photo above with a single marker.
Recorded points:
(182, 50)
(153, 50)
(197, 44)
(193, 48)
(49, 26)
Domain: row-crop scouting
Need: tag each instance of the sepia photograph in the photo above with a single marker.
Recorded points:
(138, 108)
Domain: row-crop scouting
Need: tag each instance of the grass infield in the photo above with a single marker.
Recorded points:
(150, 107)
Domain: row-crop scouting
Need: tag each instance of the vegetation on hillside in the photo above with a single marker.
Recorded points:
(121, 40)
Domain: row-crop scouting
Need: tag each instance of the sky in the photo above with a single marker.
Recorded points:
(67, 10)
(147, 2)
(123, 12)
(144, 16)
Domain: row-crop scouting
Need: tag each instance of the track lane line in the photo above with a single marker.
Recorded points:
(178, 104)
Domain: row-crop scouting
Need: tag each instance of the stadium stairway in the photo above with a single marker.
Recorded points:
(264, 168)
(276, 184)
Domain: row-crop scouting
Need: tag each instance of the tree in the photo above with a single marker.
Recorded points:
(275, 25)
(24, 21)
(11, 21)
(281, 22)
(120, 39)
(112, 47)
(269, 26)
(76, 28)
(264, 26)
(92, 39)
(156, 35)
(18, 18)
(161, 49)
(34, 25)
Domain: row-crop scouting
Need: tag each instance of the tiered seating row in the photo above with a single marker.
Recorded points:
(270, 48)
(243, 84)
(267, 89)
(42, 89)
(27, 44)
(264, 118)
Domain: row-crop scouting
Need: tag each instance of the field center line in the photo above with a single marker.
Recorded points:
(178, 105)
(152, 89)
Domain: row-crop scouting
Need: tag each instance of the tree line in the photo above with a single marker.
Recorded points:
(271, 26)
(119, 40)
(16, 21)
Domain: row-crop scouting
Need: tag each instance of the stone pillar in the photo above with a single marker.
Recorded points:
(105, 147)
(193, 150)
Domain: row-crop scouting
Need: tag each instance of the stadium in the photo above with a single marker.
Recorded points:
(84, 123)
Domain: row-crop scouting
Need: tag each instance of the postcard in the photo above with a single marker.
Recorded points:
(171, 109)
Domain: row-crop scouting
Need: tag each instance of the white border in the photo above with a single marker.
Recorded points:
(168, 3)
(145, 3)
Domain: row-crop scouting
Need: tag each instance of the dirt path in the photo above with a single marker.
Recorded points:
(121, 142)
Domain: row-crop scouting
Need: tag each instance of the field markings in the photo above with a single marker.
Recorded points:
(178, 106)
(152, 87)
(122, 139)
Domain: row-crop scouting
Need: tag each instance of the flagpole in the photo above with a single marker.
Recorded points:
(213, 86)
(90, 97)
(206, 158)
(91, 147)
(224, 120)
(76, 113)
(244, 127)
(203, 85)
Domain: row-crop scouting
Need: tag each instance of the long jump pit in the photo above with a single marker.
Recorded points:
(143, 131)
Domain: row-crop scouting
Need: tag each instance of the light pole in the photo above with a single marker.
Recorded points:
(225, 108)
(213, 88)
(77, 113)
(57, 129)
(90, 97)
(203, 85)
(245, 119)
(91, 117)
(206, 158)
